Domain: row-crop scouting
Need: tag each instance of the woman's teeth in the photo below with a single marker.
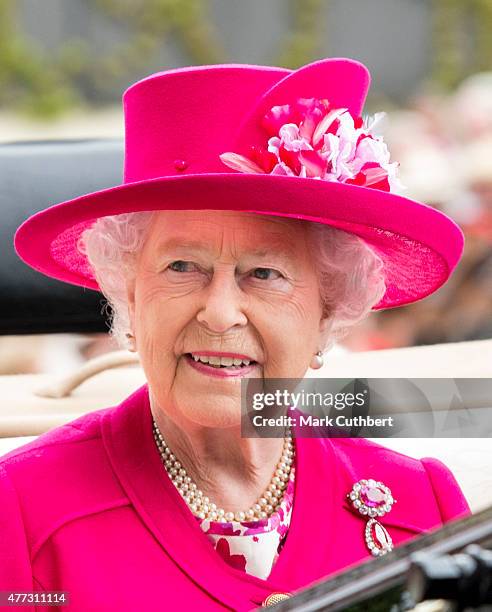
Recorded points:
(222, 362)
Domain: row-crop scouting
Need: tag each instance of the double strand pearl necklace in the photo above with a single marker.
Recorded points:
(200, 504)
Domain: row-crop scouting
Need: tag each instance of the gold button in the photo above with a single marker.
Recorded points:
(275, 598)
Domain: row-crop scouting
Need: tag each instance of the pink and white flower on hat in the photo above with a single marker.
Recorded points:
(309, 139)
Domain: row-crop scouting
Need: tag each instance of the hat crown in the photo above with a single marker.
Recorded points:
(180, 121)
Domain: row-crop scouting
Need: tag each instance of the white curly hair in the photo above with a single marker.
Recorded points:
(351, 278)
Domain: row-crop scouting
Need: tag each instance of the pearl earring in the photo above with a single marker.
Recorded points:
(130, 342)
(317, 361)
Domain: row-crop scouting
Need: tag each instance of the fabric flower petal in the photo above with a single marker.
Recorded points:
(325, 123)
(241, 163)
(313, 163)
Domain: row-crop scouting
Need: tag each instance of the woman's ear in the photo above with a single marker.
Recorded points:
(325, 326)
(130, 299)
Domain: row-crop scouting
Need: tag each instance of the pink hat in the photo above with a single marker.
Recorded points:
(264, 140)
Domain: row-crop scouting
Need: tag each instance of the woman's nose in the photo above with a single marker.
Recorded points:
(222, 307)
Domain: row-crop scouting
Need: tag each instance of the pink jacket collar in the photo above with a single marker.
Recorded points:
(128, 439)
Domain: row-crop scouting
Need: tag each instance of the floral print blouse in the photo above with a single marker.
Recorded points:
(253, 546)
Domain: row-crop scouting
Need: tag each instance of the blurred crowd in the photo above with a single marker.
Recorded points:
(444, 145)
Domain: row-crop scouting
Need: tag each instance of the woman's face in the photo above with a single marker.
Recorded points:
(221, 283)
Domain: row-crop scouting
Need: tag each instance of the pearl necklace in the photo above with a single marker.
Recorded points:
(200, 504)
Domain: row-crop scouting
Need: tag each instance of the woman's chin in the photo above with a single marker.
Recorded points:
(219, 415)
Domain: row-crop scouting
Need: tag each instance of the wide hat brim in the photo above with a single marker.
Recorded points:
(419, 245)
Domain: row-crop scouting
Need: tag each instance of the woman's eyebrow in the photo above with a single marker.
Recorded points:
(282, 253)
(277, 245)
(176, 243)
(276, 249)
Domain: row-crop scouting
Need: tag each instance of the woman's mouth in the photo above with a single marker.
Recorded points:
(221, 366)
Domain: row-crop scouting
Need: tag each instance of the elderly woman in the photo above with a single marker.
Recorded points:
(256, 223)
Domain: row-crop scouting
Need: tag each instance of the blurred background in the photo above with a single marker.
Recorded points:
(65, 63)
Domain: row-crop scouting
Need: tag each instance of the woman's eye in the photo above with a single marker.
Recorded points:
(182, 266)
(266, 273)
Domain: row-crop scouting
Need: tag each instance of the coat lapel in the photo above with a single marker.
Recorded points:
(127, 434)
(324, 536)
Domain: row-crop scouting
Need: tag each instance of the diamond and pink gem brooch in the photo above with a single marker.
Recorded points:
(373, 499)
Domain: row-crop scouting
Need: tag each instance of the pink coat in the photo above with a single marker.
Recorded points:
(88, 508)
